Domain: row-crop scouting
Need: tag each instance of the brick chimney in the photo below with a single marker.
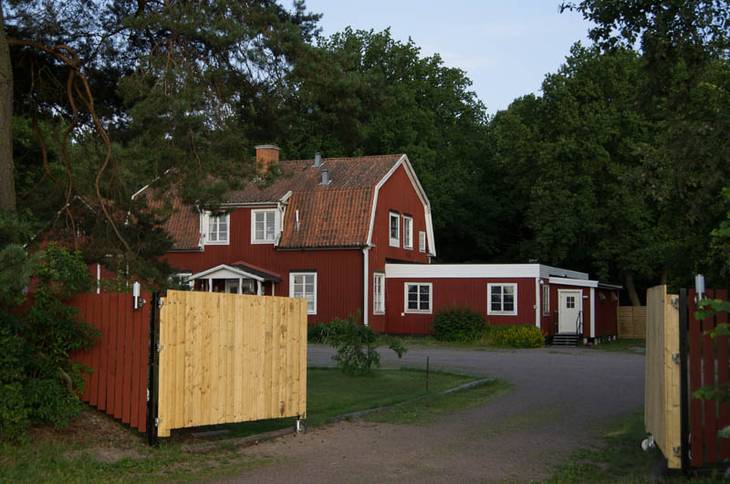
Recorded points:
(266, 155)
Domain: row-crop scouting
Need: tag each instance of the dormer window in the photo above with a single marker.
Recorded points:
(216, 228)
(394, 227)
(263, 226)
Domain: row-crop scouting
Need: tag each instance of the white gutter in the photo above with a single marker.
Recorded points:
(365, 280)
(573, 282)
(537, 302)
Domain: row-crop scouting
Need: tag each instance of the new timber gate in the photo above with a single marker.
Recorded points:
(682, 358)
(191, 359)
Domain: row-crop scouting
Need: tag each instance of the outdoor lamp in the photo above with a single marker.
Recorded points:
(700, 286)
(137, 301)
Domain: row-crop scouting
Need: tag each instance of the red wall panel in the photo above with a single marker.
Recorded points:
(606, 312)
(455, 292)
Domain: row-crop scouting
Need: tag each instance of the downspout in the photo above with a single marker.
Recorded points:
(365, 280)
(593, 313)
(537, 302)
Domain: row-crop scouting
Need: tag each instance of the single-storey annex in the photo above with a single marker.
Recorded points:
(556, 300)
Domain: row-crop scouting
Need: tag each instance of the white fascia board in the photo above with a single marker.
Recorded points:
(550, 271)
(573, 282)
(224, 271)
(461, 271)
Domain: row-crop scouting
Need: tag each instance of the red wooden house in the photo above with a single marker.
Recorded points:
(354, 236)
(323, 230)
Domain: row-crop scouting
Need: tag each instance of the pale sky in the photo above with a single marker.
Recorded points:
(505, 46)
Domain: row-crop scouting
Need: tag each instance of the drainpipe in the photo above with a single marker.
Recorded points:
(593, 313)
(365, 280)
(538, 311)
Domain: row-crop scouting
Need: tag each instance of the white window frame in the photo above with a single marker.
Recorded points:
(254, 212)
(206, 219)
(406, 285)
(421, 241)
(292, 275)
(492, 312)
(407, 232)
(546, 299)
(378, 296)
(393, 241)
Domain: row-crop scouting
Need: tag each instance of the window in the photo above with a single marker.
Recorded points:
(216, 228)
(378, 293)
(546, 299)
(263, 226)
(422, 241)
(502, 299)
(407, 232)
(570, 302)
(418, 297)
(394, 230)
(304, 284)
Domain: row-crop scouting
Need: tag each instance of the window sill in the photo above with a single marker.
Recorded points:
(501, 313)
(216, 243)
(413, 311)
(263, 242)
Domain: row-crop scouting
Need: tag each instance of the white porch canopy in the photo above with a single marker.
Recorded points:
(225, 271)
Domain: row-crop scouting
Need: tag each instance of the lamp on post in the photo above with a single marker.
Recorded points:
(700, 286)
(137, 301)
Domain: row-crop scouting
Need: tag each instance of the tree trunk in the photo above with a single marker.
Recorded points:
(631, 289)
(7, 178)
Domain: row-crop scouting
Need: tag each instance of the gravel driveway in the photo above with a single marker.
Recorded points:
(560, 399)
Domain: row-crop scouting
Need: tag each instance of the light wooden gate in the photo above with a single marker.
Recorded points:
(662, 398)
(230, 358)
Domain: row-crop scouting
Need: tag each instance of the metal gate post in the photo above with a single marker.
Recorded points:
(153, 375)
(684, 379)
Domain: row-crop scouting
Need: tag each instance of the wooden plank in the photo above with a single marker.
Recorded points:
(672, 403)
(229, 345)
(695, 382)
(708, 378)
(239, 360)
(723, 355)
(119, 360)
(95, 317)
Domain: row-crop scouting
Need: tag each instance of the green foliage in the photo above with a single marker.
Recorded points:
(514, 336)
(317, 333)
(40, 382)
(355, 345)
(458, 324)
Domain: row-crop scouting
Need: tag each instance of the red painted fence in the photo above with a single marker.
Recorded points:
(117, 383)
(708, 365)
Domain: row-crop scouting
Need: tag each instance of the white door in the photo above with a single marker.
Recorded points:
(570, 304)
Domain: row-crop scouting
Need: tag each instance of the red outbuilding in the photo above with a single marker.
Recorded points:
(558, 301)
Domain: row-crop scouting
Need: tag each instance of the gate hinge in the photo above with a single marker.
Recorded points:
(148, 394)
(157, 421)
(675, 302)
(677, 451)
(159, 347)
(676, 358)
(160, 302)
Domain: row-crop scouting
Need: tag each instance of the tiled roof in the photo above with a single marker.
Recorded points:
(183, 223)
(333, 215)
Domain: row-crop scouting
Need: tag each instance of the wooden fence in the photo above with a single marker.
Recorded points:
(230, 358)
(662, 390)
(708, 366)
(117, 383)
(632, 322)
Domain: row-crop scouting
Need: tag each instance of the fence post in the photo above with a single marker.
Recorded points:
(152, 375)
(684, 379)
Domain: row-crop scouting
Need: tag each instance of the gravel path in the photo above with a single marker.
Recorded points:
(559, 400)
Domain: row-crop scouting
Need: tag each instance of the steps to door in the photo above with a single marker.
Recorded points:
(566, 339)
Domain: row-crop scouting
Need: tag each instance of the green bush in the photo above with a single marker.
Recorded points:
(516, 336)
(38, 382)
(459, 325)
(317, 333)
(355, 345)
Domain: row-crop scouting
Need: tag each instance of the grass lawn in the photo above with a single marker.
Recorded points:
(619, 458)
(98, 449)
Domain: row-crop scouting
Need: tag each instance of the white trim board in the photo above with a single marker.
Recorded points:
(224, 271)
(573, 282)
